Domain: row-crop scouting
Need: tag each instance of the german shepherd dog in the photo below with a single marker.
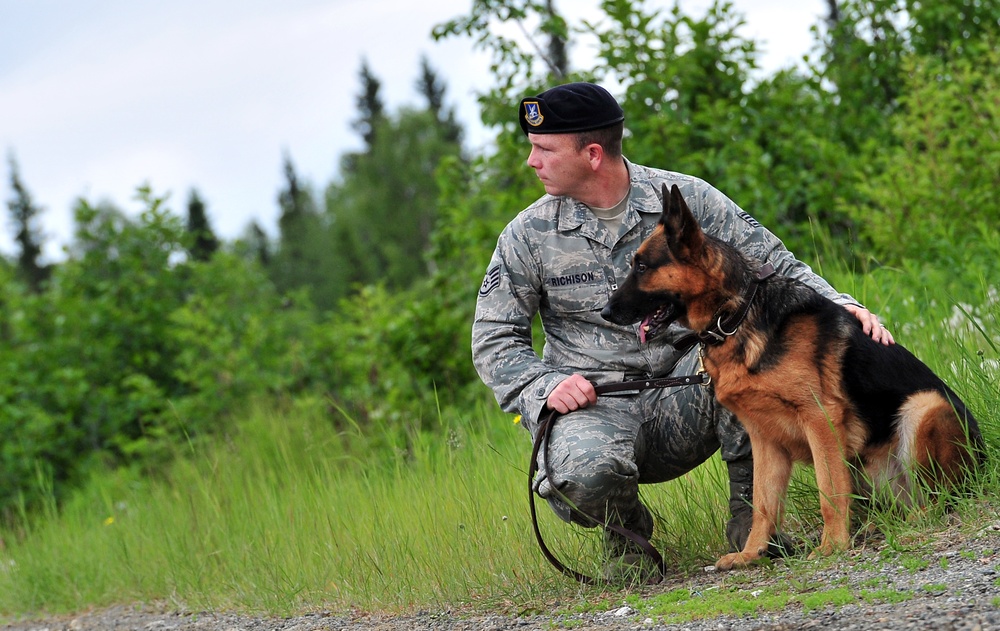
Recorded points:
(802, 377)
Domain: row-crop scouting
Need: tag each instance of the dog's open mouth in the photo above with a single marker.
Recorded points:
(656, 321)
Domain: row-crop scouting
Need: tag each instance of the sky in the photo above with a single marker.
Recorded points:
(100, 97)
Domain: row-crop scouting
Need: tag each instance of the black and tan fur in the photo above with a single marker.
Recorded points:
(804, 379)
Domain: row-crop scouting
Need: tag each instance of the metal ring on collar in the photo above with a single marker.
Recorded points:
(718, 325)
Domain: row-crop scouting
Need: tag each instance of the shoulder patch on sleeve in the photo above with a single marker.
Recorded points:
(491, 282)
(745, 216)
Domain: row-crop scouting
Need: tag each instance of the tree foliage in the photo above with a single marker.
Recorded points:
(433, 89)
(133, 348)
(295, 263)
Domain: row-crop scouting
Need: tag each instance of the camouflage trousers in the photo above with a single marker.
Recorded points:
(598, 455)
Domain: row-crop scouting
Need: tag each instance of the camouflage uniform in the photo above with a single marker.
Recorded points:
(557, 259)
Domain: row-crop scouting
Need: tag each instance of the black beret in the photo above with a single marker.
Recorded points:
(570, 108)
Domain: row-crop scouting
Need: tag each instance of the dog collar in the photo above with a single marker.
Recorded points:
(718, 332)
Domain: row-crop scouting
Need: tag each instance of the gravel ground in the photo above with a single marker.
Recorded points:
(958, 589)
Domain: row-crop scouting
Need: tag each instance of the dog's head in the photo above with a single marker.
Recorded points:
(666, 272)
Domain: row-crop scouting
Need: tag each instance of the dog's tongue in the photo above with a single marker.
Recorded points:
(643, 326)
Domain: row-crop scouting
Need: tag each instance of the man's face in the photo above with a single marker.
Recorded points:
(557, 162)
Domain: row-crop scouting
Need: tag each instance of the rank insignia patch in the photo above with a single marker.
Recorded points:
(750, 220)
(491, 282)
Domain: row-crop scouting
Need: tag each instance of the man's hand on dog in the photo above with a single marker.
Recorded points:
(572, 393)
(871, 325)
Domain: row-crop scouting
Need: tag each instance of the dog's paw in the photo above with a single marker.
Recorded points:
(825, 551)
(829, 545)
(735, 560)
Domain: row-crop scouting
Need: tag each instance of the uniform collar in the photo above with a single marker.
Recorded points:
(575, 215)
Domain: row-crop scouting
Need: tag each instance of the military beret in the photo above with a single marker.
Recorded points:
(570, 108)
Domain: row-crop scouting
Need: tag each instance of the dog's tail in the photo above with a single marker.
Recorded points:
(938, 438)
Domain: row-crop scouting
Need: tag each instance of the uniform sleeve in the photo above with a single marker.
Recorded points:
(729, 222)
(502, 349)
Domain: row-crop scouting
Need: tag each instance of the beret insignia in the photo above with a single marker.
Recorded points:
(532, 113)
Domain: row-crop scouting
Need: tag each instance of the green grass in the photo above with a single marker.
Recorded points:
(889, 596)
(284, 515)
(682, 605)
(298, 512)
(914, 564)
(837, 597)
(287, 516)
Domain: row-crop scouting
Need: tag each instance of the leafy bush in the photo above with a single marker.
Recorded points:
(89, 364)
(236, 339)
(133, 349)
(934, 197)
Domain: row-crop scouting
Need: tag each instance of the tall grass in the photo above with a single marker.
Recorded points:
(291, 514)
(297, 512)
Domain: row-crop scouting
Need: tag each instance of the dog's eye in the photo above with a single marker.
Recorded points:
(640, 268)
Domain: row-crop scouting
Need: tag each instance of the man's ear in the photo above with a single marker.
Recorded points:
(595, 155)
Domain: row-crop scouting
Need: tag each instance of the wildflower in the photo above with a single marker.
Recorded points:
(517, 419)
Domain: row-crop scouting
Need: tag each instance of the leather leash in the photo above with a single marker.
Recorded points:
(542, 435)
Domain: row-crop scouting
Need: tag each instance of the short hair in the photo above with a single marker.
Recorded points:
(609, 138)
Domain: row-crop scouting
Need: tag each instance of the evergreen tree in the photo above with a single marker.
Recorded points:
(204, 242)
(254, 245)
(370, 107)
(295, 205)
(296, 262)
(433, 90)
(24, 214)
(381, 214)
(384, 211)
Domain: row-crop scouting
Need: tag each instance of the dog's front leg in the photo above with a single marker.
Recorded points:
(772, 468)
(833, 478)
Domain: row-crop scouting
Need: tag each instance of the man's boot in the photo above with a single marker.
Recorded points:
(741, 511)
(626, 561)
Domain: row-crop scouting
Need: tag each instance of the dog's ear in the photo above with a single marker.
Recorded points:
(684, 235)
